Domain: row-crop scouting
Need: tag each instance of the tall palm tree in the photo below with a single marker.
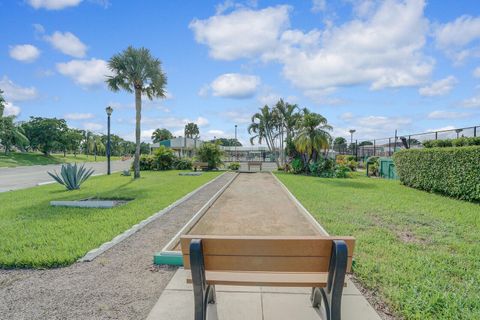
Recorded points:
(137, 71)
(265, 127)
(191, 130)
(313, 135)
(2, 103)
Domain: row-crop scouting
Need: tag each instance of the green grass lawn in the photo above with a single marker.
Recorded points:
(34, 234)
(16, 159)
(419, 252)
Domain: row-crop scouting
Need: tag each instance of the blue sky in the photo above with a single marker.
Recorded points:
(374, 66)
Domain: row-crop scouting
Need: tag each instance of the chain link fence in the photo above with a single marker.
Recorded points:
(385, 147)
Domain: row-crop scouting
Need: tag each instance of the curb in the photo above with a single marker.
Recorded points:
(92, 254)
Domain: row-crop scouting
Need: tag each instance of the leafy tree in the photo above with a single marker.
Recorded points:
(265, 127)
(144, 148)
(161, 134)
(211, 153)
(191, 130)
(11, 134)
(365, 143)
(313, 136)
(44, 134)
(339, 143)
(137, 71)
(227, 142)
(71, 140)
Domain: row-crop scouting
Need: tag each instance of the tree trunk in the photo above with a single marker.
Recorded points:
(138, 118)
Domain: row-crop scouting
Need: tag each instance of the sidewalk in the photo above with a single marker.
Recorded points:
(252, 303)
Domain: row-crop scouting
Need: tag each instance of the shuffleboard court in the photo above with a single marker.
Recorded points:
(255, 204)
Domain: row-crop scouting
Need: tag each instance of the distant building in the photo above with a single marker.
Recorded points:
(184, 147)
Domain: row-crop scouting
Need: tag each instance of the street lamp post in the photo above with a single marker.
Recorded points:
(236, 154)
(352, 131)
(109, 111)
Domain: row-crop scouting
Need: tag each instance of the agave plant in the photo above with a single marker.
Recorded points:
(72, 176)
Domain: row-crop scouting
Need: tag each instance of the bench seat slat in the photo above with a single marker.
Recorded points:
(271, 279)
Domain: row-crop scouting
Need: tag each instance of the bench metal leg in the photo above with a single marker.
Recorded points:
(203, 293)
(332, 294)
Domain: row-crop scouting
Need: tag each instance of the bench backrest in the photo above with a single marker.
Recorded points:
(275, 254)
(255, 163)
(200, 164)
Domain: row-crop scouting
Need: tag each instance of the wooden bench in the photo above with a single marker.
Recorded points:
(201, 165)
(316, 262)
(254, 163)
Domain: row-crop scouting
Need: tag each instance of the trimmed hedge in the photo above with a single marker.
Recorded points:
(451, 171)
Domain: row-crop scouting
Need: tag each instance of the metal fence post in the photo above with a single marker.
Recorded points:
(389, 147)
(374, 145)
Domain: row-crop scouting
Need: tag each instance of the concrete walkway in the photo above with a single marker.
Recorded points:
(255, 303)
(30, 176)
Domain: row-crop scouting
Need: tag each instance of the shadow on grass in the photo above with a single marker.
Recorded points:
(344, 183)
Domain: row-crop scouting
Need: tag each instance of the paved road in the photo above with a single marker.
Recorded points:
(30, 176)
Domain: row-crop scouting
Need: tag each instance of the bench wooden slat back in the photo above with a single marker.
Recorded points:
(275, 254)
(200, 164)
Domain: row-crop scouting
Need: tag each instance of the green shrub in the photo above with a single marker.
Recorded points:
(297, 166)
(342, 171)
(234, 166)
(182, 163)
(210, 153)
(72, 176)
(451, 171)
(373, 166)
(164, 158)
(146, 162)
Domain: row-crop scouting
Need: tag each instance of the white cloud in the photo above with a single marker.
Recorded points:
(439, 88)
(79, 116)
(234, 85)
(455, 36)
(476, 72)
(172, 122)
(446, 115)
(445, 128)
(238, 116)
(67, 43)
(85, 72)
(204, 91)
(458, 33)
(24, 52)
(14, 92)
(217, 133)
(242, 33)
(473, 102)
(372, 127)
(319, 5)
(11, 110)
(53, 4)
(92, 126)
(382, 49)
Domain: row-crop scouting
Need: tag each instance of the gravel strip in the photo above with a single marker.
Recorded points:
(122, 283)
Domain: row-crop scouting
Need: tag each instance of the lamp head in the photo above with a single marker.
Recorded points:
(109, 110)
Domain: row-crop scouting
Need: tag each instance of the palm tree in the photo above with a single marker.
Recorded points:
(265, 127)
(289, 118)
(191, 130)
(313, 135)
(137, 71)
(2, 103)
(160, 135)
